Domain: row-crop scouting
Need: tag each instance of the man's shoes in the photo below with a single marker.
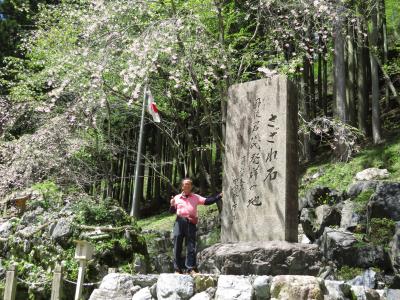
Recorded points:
(178, 272)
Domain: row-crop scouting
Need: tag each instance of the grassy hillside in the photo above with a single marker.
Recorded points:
(339, 175)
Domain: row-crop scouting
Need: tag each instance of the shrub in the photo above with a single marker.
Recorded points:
(104, 212)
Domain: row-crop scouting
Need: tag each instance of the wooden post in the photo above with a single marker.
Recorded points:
(81, 277)
(57, 283)
(11, 284)
(83, 252)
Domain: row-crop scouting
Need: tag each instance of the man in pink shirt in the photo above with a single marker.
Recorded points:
(185, 207)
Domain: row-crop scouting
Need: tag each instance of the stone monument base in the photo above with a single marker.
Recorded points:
(261, 258)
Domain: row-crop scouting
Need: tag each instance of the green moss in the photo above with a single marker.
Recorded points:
(381, 231)
(348, 273)
(364, 196)
(361, 201)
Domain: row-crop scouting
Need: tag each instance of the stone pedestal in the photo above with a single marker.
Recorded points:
(260, 165)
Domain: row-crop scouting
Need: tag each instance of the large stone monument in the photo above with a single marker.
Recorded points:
(260, 165)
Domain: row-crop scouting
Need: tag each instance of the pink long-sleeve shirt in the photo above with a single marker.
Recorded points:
(186, 206)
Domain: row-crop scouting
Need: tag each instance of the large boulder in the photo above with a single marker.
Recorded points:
(394, 250)
(350, 217)
(260, 258)
(174, 287)
(343, 248)
(315, 220)
(114, 286)
(202, 282)
(385, 202)
(372, 173)
(143, 294)
(162, 263)
(336, 290)
(202, 296)
(145, 280)
(391, 294)
(62, 231)
(234, 288)
(362, 293)
(320, 195)
(262, 287)
(367, 279)
(296, 288)
(360, 186)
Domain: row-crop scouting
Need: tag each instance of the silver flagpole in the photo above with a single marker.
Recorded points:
(136, 198)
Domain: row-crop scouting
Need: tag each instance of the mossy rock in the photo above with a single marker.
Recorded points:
(361, 201)
(381, 231)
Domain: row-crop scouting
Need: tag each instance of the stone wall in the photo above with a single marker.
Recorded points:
(231, 287)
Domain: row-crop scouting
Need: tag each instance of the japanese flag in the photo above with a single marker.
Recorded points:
(152, 108)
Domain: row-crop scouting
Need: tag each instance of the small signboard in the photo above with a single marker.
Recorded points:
(84, 250)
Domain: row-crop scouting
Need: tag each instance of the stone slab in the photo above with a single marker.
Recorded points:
(261, 258)
(260, 164)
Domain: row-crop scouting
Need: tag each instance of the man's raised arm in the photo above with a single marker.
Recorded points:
(213, 199)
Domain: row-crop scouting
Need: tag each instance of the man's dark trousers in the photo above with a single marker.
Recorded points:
(183, 229)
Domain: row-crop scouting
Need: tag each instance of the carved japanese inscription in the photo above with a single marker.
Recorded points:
(260, 164)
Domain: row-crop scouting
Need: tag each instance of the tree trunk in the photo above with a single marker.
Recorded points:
(351, 104)
(325, 84)
(305, 108)
(313, 103)
(362, 96)
(384, 46)
(376, 121)
(340, 72)
(320, 83)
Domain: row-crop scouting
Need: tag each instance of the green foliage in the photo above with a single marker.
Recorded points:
(51, 194)
(111, 244)
(127, 268)
(101, 213)
(71, 264)
(348, 273)
(381, 231)
(392, 19)
(34, 276)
